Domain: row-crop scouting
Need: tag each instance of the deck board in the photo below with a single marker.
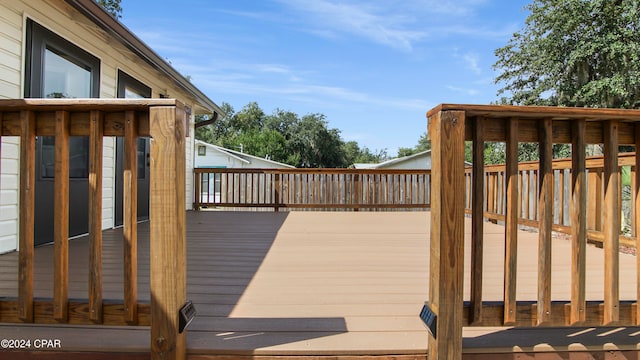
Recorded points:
(318, 283)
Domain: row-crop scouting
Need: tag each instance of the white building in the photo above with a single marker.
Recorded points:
(213, 156)
(75, 49)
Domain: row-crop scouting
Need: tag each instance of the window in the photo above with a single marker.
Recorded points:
(130, 88)
(202, 150)
(55, 68)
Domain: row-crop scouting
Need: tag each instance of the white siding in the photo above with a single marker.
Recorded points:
(65, 21)
(10, 87)
(189, 162)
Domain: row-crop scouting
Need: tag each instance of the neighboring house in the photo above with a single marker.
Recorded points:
(75, 49)
(213, 156)
(421, 160)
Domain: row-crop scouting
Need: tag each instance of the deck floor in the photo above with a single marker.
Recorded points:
(319, 283)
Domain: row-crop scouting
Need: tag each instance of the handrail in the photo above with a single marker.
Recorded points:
(450, 126)
(165, 121)
(494, 200)
(312, 188)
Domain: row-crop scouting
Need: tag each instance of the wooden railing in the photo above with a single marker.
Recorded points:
(449, 127)
(165, 122)
(528, 173)
(312, 188)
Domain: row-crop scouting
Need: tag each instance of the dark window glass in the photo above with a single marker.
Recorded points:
(130, 88)
(58, 69)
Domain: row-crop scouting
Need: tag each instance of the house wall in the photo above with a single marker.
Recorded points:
(65, 21)
(422, 162)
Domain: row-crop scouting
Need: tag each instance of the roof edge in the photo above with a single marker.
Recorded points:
(96, 13)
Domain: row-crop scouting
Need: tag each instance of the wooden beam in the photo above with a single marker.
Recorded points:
(545, 217)
(168, 231)
(95, 216)
(561, 311)
(130, 217)
(611, 224)
(477, 221)
(578, 223)
(114, 313)
(61, 219)
(511, 223)
(27, 215)
(447, 233)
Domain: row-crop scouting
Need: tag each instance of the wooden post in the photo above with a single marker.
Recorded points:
(578, 222)
(130, 217)
(197, 183)
(446, 129)
(96, 132)
(167, 212)
(545, 218)
(61, 221)
(477, 222)
(276, 193)
(27, 212)
(511, 223)
(611, 224)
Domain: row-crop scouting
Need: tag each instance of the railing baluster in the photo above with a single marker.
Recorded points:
(511, 223)
(27, 213)
(61, 219)
(578, 222)
(545, 216)
(130, 218)
(96, 132)
(611, 223)
(477, 222)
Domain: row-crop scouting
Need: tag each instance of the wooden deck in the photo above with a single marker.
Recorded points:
(318, 284)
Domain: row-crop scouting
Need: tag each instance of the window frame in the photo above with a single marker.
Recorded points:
(38, 40)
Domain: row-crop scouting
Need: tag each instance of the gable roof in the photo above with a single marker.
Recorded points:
(98, 15)
(393, 161)
(243, 157)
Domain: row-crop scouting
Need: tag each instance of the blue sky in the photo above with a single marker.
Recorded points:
(374, 68)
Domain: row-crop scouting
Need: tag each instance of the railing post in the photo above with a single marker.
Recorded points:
(27, 215)
(96, 132)
(511, 223)
(276, 194)
(578, 223)
(611, 224)
(130, 217)
(446, 129)
(477, 222)
(167, 211)
(61, 221)
(545, 218)
(197, 182)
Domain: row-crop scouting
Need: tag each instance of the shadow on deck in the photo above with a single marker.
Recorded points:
(310, 284)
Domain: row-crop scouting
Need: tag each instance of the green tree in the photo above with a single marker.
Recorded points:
(574, 53)
(112, 6)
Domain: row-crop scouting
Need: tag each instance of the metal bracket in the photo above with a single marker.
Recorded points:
(187, 314)
(429, 318)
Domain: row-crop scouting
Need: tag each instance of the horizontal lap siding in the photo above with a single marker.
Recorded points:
(69, 24)
(10, 87)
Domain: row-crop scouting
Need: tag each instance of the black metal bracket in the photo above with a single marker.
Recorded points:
(429, 318)
(187, 314)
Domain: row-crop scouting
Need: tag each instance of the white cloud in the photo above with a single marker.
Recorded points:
(472, 60)
(466, 91)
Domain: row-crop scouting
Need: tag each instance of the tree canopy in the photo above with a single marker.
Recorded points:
(112, 6)
(574, 53)
(284, 136)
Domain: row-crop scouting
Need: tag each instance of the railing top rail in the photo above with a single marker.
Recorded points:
(553, 112)
(311, 171)
(79, 105)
